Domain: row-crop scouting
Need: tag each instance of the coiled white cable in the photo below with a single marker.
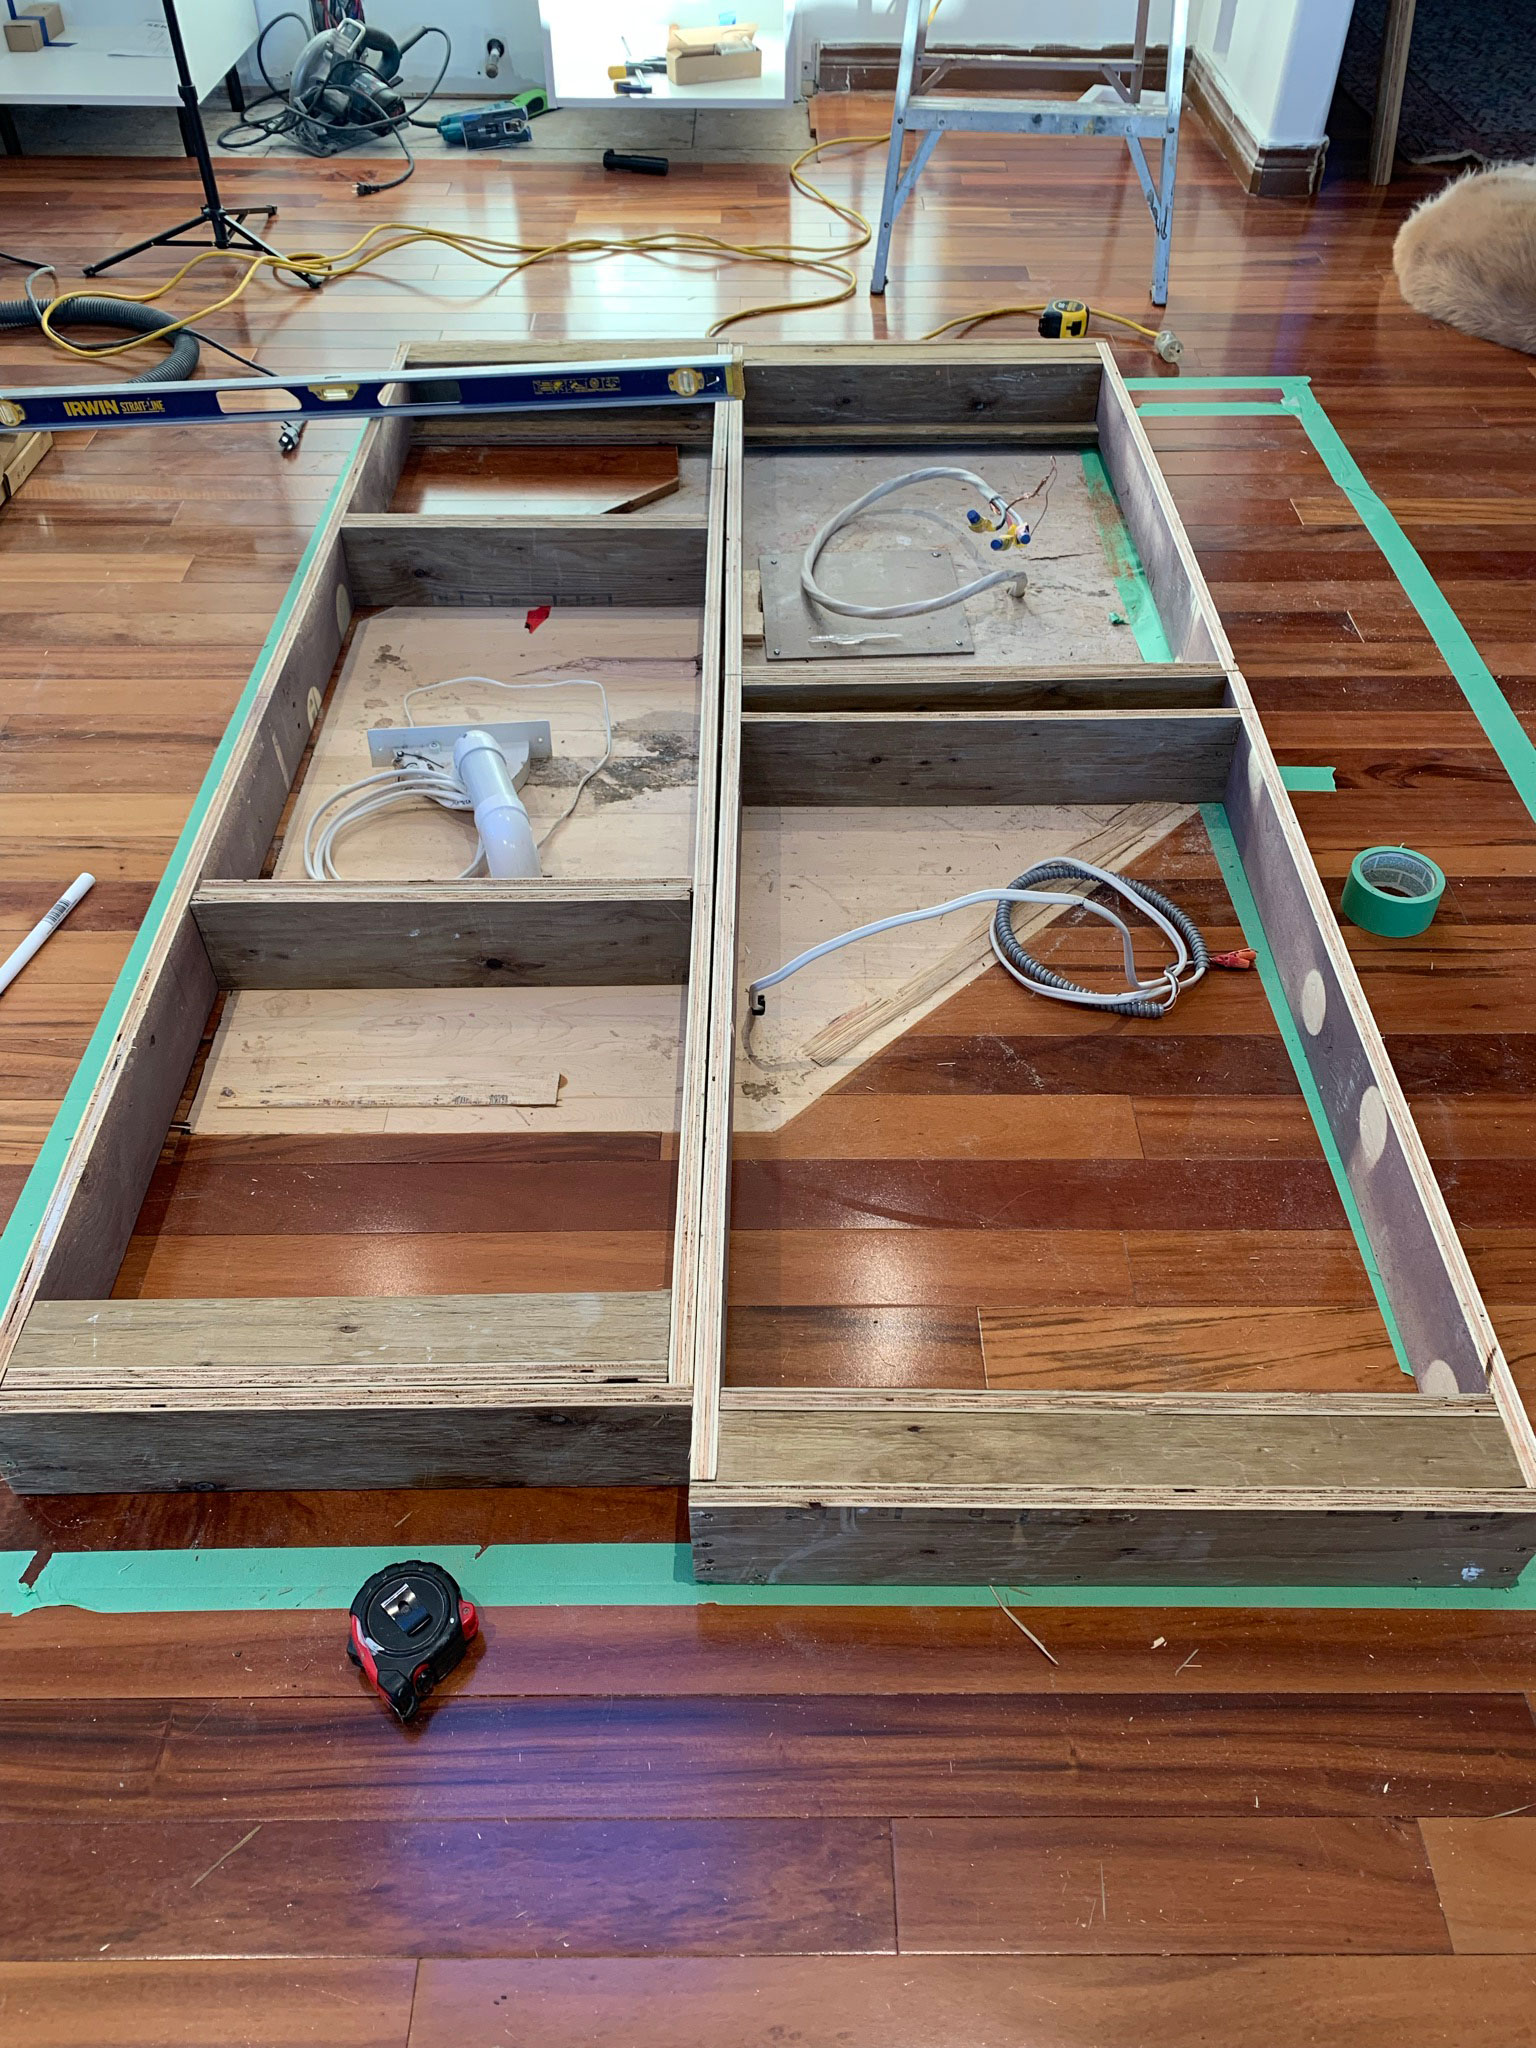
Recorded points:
(919, 606)
(416, 780)
(1183, 972)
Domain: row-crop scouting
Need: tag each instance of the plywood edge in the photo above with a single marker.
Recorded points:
(708, 1274)
(285, 1390)
(720, 1496)
(715, 713)
(861, 1450)
(77, 1342)
(918, 685)
(1188, 613)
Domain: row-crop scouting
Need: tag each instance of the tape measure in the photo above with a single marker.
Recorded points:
(410, 1626)
(1065, 319)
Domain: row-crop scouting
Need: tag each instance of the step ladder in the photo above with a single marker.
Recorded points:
(1116, 107)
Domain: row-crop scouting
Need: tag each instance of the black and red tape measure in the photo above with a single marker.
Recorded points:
(410, 1627)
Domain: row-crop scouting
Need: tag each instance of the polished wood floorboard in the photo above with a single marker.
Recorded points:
(757, 1826)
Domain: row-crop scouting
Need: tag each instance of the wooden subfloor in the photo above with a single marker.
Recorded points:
(893, 1828)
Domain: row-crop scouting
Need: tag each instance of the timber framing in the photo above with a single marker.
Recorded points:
(98, 1393)
(863, 1486)
(837, 1484)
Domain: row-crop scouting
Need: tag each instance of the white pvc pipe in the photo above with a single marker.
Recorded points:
(505, 833)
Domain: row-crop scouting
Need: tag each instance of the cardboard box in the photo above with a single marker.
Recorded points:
(48, 12)
(21, 36)
(707, 56)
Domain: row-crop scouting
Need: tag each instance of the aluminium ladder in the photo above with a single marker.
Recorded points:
(1121, 110)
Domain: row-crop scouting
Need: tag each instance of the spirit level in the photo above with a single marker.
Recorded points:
(417, 394)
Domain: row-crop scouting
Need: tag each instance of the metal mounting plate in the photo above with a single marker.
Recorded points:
(795, 629)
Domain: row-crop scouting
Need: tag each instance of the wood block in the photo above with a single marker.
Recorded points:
(19, 456)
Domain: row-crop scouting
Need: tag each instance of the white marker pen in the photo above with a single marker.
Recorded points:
(44, 929)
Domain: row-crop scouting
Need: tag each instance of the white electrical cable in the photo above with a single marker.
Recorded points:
(1008, 523)
(416, 779)
(1164, 988)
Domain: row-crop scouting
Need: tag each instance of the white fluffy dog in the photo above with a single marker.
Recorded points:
(1468, 256)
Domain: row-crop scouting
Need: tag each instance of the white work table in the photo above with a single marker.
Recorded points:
(581, 41)
(117, 53)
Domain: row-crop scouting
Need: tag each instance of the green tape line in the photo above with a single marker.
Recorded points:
(1301, 779)
(1392, 891)
(1230, 862)
(1508, 738)
(593, 1575)
(660, 1575)
(1131, 584)
(39, 1187)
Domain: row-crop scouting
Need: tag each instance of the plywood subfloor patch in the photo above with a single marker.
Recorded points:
(617, 1051)
(635, 820)
(1065, 615)
(810, 874)
(538, 480)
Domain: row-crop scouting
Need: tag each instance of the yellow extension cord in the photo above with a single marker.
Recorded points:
(304, 265)
(369, 247)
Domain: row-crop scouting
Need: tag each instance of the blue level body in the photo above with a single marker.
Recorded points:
(417, 394)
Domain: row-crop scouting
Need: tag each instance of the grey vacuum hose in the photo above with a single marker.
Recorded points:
(93, 312)
(1035, 970)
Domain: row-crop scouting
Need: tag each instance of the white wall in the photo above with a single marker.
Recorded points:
(1276, 60)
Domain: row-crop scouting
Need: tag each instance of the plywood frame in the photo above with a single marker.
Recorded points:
(104, 1394)
(854, 1486)
(840, 1486)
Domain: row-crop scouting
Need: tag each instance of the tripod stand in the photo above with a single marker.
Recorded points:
(227, 227)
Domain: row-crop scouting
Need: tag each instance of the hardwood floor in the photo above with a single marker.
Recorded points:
(890, 1827)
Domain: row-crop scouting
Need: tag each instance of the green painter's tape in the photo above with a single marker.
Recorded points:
(592, 1575)
(1240, 409)
(41, 1183)
(1509, 739)
(1131, 583)
(660, 1575)
(1299, 779)
(1230, 862)
(1392, 891)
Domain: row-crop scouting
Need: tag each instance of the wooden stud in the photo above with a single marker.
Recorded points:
(982, 757)
(444, 935)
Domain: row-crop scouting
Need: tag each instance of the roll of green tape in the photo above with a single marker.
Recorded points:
(1392, 891)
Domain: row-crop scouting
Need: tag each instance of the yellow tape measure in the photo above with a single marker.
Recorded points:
(1064, 319)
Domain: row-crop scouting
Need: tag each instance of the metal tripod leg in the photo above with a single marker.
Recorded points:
(229, 231)
(914, 39)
